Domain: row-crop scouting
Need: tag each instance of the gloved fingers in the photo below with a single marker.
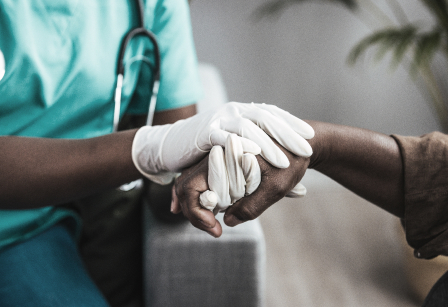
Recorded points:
(249, 130)
(298, 125)
(233, 156)
(298, 191)
(218, 180)
(219, 137)
(208, 200)
(280, 131)
(251, 171)
(162, 178)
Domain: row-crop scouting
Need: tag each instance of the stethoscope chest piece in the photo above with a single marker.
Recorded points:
(2, 65)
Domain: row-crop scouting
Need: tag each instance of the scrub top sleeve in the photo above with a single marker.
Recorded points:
(179, 80)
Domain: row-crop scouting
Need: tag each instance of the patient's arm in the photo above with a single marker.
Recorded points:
(366, 162)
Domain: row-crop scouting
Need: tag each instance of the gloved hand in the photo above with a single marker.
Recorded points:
(170, 148)
(232, 175)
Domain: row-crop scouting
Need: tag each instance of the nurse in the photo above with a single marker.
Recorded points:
(58, 89)
(56, 115)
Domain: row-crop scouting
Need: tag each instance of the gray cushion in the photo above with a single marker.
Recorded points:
(187, 267)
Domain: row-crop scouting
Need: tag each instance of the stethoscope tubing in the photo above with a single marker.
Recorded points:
(2, 65)
(138, 31)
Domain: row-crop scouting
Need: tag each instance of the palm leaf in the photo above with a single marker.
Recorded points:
(275, 7)
(403, 43)
(426, 47)
(439, 9)
(271, 8)
(351, 4)
(399, 40)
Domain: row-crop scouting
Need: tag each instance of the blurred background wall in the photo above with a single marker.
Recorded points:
(331, 248)
(298, 62)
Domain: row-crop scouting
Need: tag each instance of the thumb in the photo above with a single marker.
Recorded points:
(251, 206)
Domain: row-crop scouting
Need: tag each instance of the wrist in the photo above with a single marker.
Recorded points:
(319, 143)
(147, 149)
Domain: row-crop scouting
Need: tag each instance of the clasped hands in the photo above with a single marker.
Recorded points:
(246, 132)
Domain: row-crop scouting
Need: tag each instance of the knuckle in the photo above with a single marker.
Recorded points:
(186, 185)
(182, 189)
(278, 189)
(277, 186)
(247, 213)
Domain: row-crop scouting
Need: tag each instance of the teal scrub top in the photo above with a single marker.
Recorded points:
(61, 60)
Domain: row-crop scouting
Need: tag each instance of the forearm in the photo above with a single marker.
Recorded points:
(40, 172)
(366, 162)
(172, 116)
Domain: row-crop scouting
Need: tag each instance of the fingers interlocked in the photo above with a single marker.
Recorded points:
(232, 174)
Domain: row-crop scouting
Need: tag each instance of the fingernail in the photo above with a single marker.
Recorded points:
(232, 221)
(172, 206)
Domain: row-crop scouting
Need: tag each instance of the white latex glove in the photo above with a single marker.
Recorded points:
(170, 148)
(298, 191)
(233, 175)
(226, 177)
(252, 173)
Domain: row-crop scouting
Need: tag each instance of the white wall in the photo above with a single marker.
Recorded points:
(298, 61)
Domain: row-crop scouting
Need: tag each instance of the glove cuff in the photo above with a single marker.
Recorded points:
(147, 149)
(162, 178)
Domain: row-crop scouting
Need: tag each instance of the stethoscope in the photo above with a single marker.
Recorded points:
(2, 66)
(138, 31)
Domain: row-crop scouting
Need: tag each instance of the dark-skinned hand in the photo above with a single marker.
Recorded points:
(275, 184)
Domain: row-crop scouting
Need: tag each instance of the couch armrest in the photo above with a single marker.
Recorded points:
(184, 266)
